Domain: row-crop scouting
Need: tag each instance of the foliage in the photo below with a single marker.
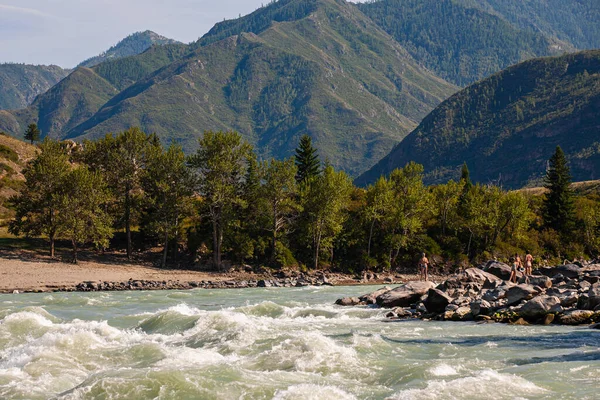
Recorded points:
(33, 133)
(558, 205)
(306, 159)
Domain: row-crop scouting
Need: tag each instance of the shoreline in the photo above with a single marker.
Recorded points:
(44, 275)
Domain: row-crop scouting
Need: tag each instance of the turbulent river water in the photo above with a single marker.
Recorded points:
(275, 343)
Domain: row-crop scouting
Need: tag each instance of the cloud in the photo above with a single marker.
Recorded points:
(28, 11)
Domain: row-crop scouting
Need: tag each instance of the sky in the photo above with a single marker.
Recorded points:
(66, 32)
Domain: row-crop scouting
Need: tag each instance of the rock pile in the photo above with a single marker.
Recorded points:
(565, 294)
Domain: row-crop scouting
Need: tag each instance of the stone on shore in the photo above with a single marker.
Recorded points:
(348, 301)
(518, 293)
(576, 317)
(437, 301)
(537, 280)
(371, 298)
(499, 270)
(568, 271)
(538, 306)
(404, 295)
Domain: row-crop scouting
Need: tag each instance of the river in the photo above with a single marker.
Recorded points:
(275, 343)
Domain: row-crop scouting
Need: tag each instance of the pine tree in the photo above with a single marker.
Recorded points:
(465, 176)
(559, 210)
(307, 160)
(33, 133)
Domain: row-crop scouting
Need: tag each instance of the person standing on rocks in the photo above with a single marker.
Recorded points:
(528, 266)
(423, 267)
(516, 266)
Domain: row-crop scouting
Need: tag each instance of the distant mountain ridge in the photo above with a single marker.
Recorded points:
(20, 84)
(507, 126)
(133, 44)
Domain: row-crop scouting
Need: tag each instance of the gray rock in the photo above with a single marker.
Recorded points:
(594, 296)
(480, 307)
(538, 306)
(537, 280)
(370, 298)
(264, 283)
(576, 317)
(499, 270)
(348, 301)
(568, 271)
(495, 294)
(404, 295)
(451, 307)
(463, 314)
(518, 293)
(437, 301)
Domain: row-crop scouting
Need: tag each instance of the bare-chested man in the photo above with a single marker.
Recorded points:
(423, 267)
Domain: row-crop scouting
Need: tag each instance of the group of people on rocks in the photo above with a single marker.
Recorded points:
(517, 265)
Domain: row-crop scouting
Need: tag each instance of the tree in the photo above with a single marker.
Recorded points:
(169, 184)
(325, 199)
(221, 163)
(307, 160)
(33, 133)
(379, 200)
(82, 216)
(122, 159)
(558, 209)
(279, 191)
(38, 203)
(445, 201)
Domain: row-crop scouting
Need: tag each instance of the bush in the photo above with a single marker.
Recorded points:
(8, 153)
(283, 256)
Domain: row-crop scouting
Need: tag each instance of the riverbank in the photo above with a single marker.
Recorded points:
(24, 272)
(564, 294)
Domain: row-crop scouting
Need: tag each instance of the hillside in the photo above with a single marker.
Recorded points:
(507, 126)
(14, 154)
(462, 44)
(20, 84)
(133, 44)
(325, 70)
(81, 94)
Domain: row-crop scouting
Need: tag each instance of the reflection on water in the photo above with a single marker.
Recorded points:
(275, 344)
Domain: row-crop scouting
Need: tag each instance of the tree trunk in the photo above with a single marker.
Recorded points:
(74, 242)
(52, 244)
(317, 249)
(274, 239)
(128, 221)
(164, 257)
(370, 237)
(216, 250)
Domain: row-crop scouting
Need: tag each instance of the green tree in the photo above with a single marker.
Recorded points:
(32, 133)
(37, 204)
(307, 160)
(221, 163)
(169, 184)
(558, 210)
(325, 199)
(379, 203)
(279, 191)
(445, 203)
(122, 159)
(82, 216)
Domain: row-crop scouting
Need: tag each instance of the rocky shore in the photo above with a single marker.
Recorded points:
(564, 294)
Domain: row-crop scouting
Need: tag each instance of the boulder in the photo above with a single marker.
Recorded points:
(480, 307)
(538, 306)
(264, 283)
(518, 293)
(370, 298)
(437, 301)
(348, 301)
(499, 270)
(537, 280)
(595, 326)
(404, 295)
(495, 294)
(463, 314)
(594, 296)
(576, 317)
(568, 271)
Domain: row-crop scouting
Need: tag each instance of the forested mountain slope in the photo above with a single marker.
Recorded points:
(326, 70)
(458, 41)
(133, 44)
(507, 126)
(21, 83)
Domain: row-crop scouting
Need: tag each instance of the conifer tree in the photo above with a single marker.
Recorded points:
(307, 160)
(559, 211)
(33, 133)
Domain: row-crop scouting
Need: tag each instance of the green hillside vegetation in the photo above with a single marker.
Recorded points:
(133, 44)
(20, 84)
(505, 126)
(81, 94)
(459, 43)
(332, 74)
(572, 21)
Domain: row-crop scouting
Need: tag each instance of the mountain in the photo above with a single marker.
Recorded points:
(20, 84)
(81, 94)
(573, 21)
(133, 44)
(296, 66)
(507, 126)
(458, 41)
